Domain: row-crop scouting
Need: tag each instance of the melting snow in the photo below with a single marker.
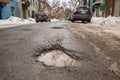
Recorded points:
(15, 21)
(54, 20)
(108, 20)
(56, 58)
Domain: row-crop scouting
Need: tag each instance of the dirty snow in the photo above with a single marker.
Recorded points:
(15, 21)
(109, 25)
(56, 58)
(54, 20)
(108, 20)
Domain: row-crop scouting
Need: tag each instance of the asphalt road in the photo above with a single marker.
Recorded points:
(20, 45)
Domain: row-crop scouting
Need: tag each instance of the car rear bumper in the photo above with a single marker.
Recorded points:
(81, 17)
(41, 19)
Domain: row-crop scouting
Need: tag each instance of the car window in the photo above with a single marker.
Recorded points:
(40, 13)
(82, 8)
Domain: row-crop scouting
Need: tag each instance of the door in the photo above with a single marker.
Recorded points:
(0, 12)
(33, 14)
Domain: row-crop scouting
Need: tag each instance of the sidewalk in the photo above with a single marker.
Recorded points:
(15, 21)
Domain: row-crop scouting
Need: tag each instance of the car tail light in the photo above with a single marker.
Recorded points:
(75, 9)
(44, 14)
(89, 9)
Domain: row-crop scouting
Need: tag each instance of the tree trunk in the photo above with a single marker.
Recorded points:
(107, 8)
(85, 2)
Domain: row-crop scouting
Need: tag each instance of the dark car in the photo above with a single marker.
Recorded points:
(42, 16)
(81, 13)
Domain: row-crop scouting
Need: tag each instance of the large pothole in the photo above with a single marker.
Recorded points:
(56, 58)
(56, 55)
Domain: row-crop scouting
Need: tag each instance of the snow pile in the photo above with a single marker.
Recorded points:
(97, 19)
(54, 20)
(56, 58)
(29, 20)
(108, 20)
(16, 20)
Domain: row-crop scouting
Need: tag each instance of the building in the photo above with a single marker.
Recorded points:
(8, 8)
(20, 8)
(98, 7)
(29, 8)
(2, 5)
(45, 6)
(115, 7)
(33, 8)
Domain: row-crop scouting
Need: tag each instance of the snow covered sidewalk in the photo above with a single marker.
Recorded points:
(15, 21)
(109, 25)
(108, 20)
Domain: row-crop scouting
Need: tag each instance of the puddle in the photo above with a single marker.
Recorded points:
(56, 58)
(26, 29)
(57, 27)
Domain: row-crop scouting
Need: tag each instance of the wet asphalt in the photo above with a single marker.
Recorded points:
(19, 45)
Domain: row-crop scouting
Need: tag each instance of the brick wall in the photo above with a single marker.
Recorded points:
(4, 1)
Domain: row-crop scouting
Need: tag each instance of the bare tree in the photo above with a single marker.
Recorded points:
(64, 4)
(72, 2)
(85, 2)
(55, 3)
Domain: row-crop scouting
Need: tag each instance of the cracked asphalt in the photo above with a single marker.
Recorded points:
(19, 44)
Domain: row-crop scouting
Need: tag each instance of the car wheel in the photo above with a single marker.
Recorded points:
(82, 21)
(36, 21)
(49, 20)
(89, 21)
(72, 20)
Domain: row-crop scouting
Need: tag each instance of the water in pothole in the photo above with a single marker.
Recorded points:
(56, 58)
(57, 27)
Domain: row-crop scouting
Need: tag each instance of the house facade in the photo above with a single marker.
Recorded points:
(8, 8)
(98, 7)
(2, 5)
(33, 8)
(28, 8)
(45, 6)
(116, 8)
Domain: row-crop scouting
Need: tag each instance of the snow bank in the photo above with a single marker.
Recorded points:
(56, 58)
(109, 25)
(14, 21)
(108, 20)
(54, 20)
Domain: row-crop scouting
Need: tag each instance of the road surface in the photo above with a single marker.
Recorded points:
(20, 46)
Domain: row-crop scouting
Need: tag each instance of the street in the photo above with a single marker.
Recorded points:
(97, 54)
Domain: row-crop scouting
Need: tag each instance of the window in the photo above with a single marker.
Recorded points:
(28, 13)
(12, 10)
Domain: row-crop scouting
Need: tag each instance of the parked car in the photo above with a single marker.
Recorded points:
(42, 16)
(81, 13)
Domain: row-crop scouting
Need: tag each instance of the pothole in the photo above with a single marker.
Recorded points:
(57, 27)
(55, 55)
(56, 58)
(26, 29)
